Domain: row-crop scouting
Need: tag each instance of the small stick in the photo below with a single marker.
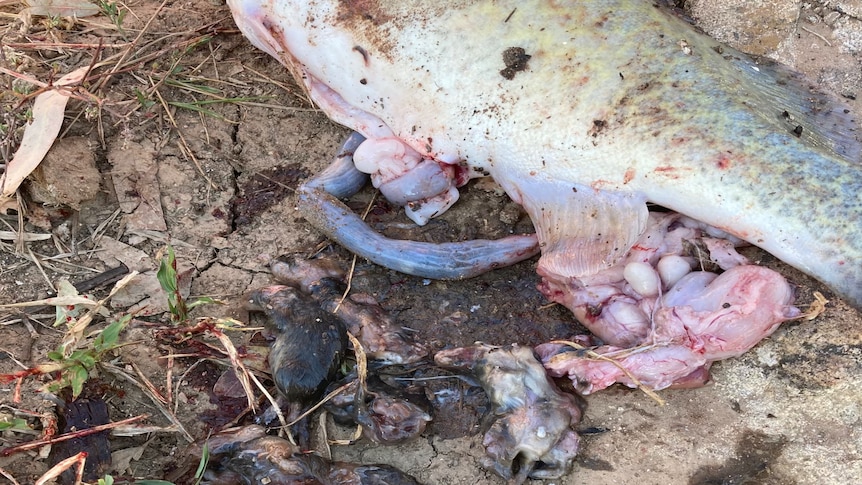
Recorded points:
(184, 146)
(815, 34)
(41, 270)
(169, 375)
(78, 460)
(9, 477)
(68, 436)
(149, 384)
(353, 263)
(62, 45)
(104, 278)
(165, 411)
(323, 401)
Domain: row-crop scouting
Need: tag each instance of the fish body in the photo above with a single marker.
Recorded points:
(584, 112)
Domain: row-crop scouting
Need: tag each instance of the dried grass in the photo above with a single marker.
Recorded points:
(135, 75)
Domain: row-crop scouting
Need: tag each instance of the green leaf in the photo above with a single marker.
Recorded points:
(191, 86)
(107, 339)
(204, 300)
(14, 424)
(77, 377)
(167, 274)
(56, 386)
(202, 465)
(77, 354)
(195, 107)
(88, 360)
(143, 100)
(168, 277)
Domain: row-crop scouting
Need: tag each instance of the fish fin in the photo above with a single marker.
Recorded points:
(581, 230)
(794, 104)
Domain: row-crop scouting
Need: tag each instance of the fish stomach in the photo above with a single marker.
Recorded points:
(616, 96)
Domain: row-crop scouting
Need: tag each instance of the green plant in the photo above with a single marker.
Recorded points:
(114, 13)
(22, 88)
(74, 369)
(143, 100)
(77, 356)
(215, 95)
(203, 40)
(53, 21)
(169, 281)
(11, 423)
(202, 465)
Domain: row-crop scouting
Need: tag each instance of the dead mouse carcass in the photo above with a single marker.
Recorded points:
(309, 343)
(531, 434)
(249, 456)
(387, 416)
(322, 279)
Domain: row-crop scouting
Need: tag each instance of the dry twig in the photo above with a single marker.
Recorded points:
(31, 445)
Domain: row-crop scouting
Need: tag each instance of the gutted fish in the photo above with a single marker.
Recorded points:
(585, 112)
(660, 319)
(531, 434)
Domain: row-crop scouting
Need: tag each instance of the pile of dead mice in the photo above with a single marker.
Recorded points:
(531, 428)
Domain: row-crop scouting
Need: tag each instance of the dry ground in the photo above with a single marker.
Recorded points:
(125, 178)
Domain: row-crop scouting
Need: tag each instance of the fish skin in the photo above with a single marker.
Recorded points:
(620, 96)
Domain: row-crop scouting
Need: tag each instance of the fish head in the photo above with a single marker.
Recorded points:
(269, 32)
(321, 45)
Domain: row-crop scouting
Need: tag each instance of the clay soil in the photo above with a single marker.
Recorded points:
(141, 163)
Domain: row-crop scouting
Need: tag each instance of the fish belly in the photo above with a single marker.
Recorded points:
(616, 96)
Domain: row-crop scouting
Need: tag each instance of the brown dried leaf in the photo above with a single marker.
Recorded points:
(60, 8)
(48, 111)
